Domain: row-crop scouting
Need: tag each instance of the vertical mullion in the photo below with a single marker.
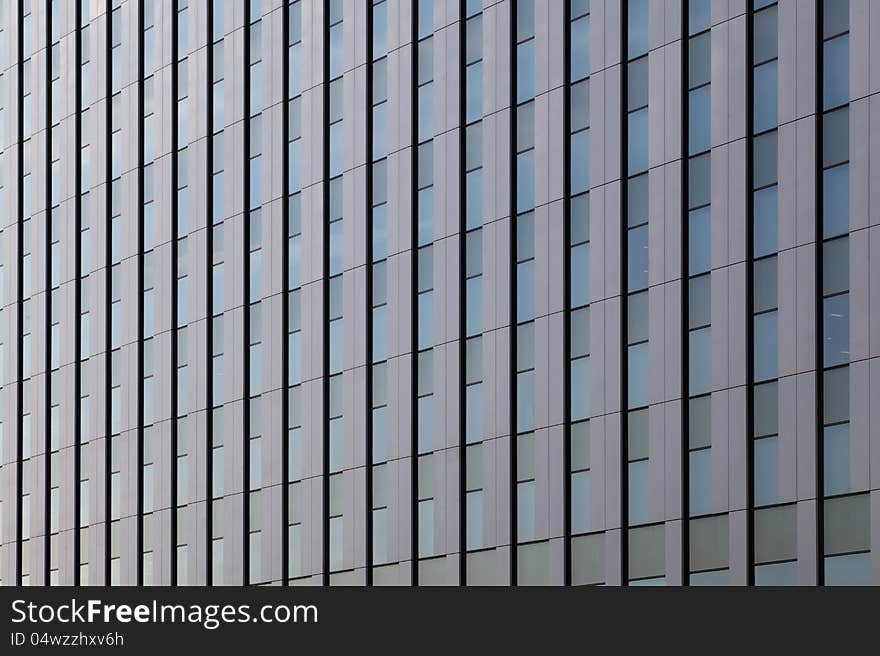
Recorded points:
(566, 293)
(462, 352)
(624, 260)
(749, 301)
(174, 282)
(285, 294)
(368, 298)
(414, 265)
(47, 404)
(209, 296)
(685, 296)
(513, 387)
(140, 299)
(819, 300)
(108, 283)
(19, 365)
(77, 412)
(246, 300)
(325, 283)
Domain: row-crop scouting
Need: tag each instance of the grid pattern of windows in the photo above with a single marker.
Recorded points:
(473, 270)
(418, 292)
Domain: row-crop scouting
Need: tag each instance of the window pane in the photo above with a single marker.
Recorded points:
(765, 36)
(700, 361)
(580, 162)
(699, 241)
(836, 396)
(580, 106)
(699, 16)
(474, 38)
(580, 48)
(580, 502)
(835, 266)
(699, 60)
(637, 201)
(637, 378)
(638, 492)
(474, 413)
(474, 199)
(637, 142)
(765, 230)
(849, 569)
(835, 72)
(525, 401)
(835, 201)
(766, 352)
(525, 71)
(835, 17)
(766, 409)
(474, 145)
(766, 471)
(699, 181)
(474, 92)
(474, 306)
(525, 291)
(836, 451)
(765, 284)
(776, 574)
(525, 180)
(699, 302)
(637, 318)
(637, 84)
(699, 120)
(836, 329)
(765, 156)
(426, 112)
(580, 389)
(637, 28)
(766, 96)
(580, 275)
(835, 137)
(474, 253)
(580, 332)
(700, 479)
(637, 261)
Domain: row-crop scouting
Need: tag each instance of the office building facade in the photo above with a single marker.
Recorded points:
(439, 292)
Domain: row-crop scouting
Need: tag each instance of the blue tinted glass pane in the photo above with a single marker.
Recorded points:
(525, 181)
(336, 136)
(525, 71)
(380, 232)
(766, 351)
(637, 146)
(380, 333)
(474, 199)
(474, 530)
(295, 75)
(699, 119)
(295, 365)
(335, 248)
(638, 492)
(836, 328)
(699, 241)
(766, 471)
(426, 423)
(765, 230)
(835, 72)
(426, 112)
(426, 216)
(336, 59)
(776, 574)
(637, 259)
(580, 502)
(580, 275)
(766, 96)
(637, 33)
(474, 411)
(426, 17)
(380, 30)
(580, 162)
(637, 376)
(474, 92)
(525, 291)
(380, 131)
(294, 182)
(580, 48)
(580, 389)
(835, 201)
(699, 15)
(294, 273)
(700, 361)
(850, 569)
(700, 481)
(336, 346)
(837, 459)
(525, 401)
(426, 320)
(474, 306)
